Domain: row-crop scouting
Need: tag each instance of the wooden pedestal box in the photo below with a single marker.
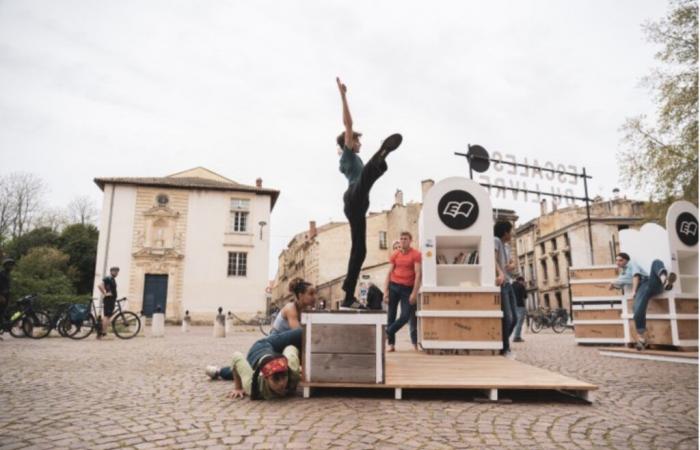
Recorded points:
(344, 347)
(461, 329)
(659, 331)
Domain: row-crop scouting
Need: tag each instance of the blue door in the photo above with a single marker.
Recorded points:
(155, 294)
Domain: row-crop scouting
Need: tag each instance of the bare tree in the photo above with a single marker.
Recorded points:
(22, 193)
(82, 210)
(54, 218)
(7, 213)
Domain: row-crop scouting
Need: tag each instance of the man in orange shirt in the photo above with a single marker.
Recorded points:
(401, 286)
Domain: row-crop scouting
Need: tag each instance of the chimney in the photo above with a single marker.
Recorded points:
(543, 207)
(425, 187)
(258, 183)
(312, 229)
(398, 197)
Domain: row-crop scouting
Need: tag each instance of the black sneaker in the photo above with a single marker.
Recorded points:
(390, 144)
(353, 304)
(670, 279)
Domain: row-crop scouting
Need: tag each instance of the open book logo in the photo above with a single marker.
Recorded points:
(454, 209)
(688, 228)
(458, 209)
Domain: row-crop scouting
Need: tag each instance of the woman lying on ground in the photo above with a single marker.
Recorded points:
(271, 369)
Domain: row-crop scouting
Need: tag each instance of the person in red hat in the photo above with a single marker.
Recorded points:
(270, 370)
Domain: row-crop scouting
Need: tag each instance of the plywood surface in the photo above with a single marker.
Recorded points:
(476, 301)
(686, 305)
(343, 367)
(461, 328)
(597, 314)
(421, 371)
(587, 274)
(599, 331)
(655, 306)
(592, 290)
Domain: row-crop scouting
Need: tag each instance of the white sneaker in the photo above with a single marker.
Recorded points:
(509, 355)
(212, 372)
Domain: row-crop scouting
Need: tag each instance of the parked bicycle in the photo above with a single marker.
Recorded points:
(58, 320)
(265, 322)
(543, 319)
(84, 319)
(26, 321)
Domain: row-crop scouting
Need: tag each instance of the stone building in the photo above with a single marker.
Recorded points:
(548, 245)
(194, 240)
(320, 254)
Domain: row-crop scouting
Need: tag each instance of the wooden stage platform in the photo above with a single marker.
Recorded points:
(415, 370)
(653, 355)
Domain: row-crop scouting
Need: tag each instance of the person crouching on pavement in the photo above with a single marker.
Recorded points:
(270, 370)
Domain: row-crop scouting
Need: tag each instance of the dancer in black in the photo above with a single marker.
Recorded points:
(360, 177)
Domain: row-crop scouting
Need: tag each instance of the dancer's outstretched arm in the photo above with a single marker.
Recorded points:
(347, 119)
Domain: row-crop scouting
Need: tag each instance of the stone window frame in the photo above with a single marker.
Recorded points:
(383, 240)
(239, 213)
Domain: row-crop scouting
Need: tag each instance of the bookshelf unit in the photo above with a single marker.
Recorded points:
(459, 306)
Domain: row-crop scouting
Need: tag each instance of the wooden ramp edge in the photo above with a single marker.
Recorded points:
(414, 370)
(651, 355)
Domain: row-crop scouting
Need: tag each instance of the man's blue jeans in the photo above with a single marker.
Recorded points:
(649, 287)
(521, 312)
(509, 314)
(400, 294)
(273, 344)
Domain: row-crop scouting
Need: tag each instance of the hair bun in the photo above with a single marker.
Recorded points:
(294, 284)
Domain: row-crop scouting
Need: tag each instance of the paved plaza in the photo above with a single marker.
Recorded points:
(152, 393)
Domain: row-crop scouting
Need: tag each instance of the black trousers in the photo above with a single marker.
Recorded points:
(356, 200)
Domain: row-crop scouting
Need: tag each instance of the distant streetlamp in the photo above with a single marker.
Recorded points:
(262, 223)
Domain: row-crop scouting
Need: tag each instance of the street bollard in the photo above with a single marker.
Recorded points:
(229, 323)
(186, 321)
(219, 324)
(158, 323)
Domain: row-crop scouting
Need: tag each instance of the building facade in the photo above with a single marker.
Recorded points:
(192, 241)
(549, 245)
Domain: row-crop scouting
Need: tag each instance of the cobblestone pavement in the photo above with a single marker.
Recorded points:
(152, 393)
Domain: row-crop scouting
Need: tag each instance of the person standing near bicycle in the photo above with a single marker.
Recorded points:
(504, 268)
(7, 265)
(108, 288)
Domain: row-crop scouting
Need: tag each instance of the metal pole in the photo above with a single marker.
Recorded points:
(588, 215)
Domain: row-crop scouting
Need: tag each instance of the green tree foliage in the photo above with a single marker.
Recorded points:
(662, 158)
(43, 270)
(79, 242)
(38, 237)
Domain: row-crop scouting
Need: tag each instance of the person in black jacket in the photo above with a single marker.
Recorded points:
(520, 309)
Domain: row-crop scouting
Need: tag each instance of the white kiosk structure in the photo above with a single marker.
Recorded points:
(460, 305)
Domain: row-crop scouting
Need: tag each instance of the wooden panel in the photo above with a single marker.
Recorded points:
(658, 331)
(461, 328)
(686, 306)
(339, 367)
(479, 301)
(592, 290)
(343, 338)
(600, 331)
(655, 306)
(594, 274)
(688, 329)
(597, 314)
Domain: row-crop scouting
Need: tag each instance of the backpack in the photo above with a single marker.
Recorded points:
(375, 297)
(77, 313)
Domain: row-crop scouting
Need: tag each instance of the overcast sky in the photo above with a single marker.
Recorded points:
(247, 89)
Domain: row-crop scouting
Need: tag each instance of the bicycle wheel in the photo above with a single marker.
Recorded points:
(536, 325)
(81, 329)
(17, 327)
(559, 325)
(126, 325)
(265, 327)
(62, 324)
(37, 325)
